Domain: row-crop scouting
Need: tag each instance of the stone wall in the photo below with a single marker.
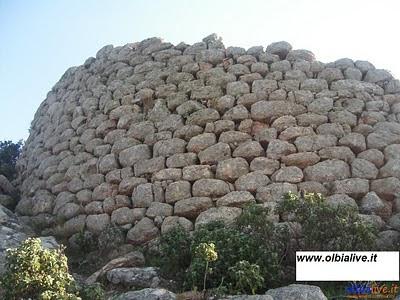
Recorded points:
(149, 135)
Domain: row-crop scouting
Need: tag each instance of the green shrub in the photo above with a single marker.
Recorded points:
(92, 292)
(111, 237)
(86, 242)
(232, 246)
(253, 238)
(327, 228)
(254, 253)
(37, 273)
(175, 253)
(247, 277)
(9, 153)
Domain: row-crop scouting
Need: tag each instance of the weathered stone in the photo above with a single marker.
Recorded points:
(149, 293)
(142, 232)
(124, 215)
(231, 169)
(196, 172)
(341, 200)
(331, 129)
(181, 160)
(201, 142)
(168, 148)
(314, 142)
(134, 277)
(224, 214)
(142, 195)
(177, 191)
(328, 170)
(281, 49)
(288, 174)
(159, 209)
(265, 165)
(373, 155)
(362, 168)
(291, 133)
(127, 185)
(6, 186)
(97, 223)
(331, 74)
(355, 141)
(236, 199)
(284, 122)
(387, 187)
(202, 117)
(234, 138)
(132, 259)
(377, 75)
(215, 153)
(274, 192)
(167, 174)
(270, 110)
(210, 188)
(192, 207)
(337, 152)
(149, 166)
(312, 187)
(314, 85)
(392, 152)
(372, 204)
(390, 169)
(298, 292)
(132, 155)
(277, 149)
(387, 240)
(251, 181)
(174, 221)
(354, 187)
(301, 160)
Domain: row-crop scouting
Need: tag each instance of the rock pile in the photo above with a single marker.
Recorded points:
(150, 135)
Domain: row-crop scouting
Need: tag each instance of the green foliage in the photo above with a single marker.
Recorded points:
(92, 292)
(339, 228)
(9, 153)
(86, 242)
(255, 254)
(37, 273)
(247, 277)
(270, 243)
(175, 253)
(111, 237)
(232, 246)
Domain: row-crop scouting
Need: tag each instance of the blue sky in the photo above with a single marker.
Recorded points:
(40, 39)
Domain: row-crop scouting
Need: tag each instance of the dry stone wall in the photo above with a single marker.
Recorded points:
(150, 135)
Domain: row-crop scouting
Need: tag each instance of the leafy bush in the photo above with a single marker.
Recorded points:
(37, 273)
(111, 237)
(247, 277)
(327, 228)
(9, 153)
(255, 254)
(86, 242)
(92, 292)
(175, 253)
(232, 246)
(253, 239)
